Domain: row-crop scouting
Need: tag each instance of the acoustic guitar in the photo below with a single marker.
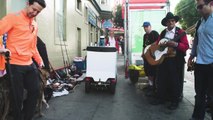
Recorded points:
(155, 53)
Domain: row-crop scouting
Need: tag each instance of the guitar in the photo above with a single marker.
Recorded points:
(155, 53)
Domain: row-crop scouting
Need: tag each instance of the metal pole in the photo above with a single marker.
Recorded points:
(128, 40)
(126, 51)
(168, 5)
(125, 29)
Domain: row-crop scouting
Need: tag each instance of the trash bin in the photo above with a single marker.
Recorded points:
(135, 72)
(79, 63)
(133, 75)
(102, 41)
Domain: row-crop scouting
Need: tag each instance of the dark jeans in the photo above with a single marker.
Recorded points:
(203, 87)
(150, 70)
(24, 77)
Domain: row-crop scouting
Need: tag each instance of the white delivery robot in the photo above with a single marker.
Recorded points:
(101, 68)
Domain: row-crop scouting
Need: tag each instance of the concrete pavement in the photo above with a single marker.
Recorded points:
(128, 103)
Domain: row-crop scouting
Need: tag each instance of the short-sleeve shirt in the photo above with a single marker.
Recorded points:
(150, 38)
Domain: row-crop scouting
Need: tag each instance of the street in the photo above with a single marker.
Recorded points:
(128, 103)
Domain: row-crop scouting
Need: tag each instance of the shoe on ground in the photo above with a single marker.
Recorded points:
(148, 88)
(156, 102)
(194, 119)
(181, 98)
(173, 106)
(150, 93)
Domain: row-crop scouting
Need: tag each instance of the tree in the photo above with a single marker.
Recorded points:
(188, 13)
(119, 22)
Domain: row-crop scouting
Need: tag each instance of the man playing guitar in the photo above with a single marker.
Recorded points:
(170, 72)
(149, 37)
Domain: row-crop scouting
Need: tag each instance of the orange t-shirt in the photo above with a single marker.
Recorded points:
(22, 38)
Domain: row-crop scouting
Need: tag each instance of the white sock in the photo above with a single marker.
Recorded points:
(150, 82)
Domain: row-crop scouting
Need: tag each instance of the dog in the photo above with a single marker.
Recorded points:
(44, 75)
(5, 92)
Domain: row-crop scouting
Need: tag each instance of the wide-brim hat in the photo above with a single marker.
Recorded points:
(169, 15)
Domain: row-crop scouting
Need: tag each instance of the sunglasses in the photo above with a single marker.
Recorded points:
(200, 7)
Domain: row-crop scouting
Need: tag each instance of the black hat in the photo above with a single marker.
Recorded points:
(169, 15)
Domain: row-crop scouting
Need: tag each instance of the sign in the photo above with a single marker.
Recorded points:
(107, 24)
(92, 18)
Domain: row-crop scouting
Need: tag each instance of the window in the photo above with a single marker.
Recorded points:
(79, 41)
(60, 22)
(103, 2)
(79, 5)
(14, 5)
(91, 35)
(86, 14)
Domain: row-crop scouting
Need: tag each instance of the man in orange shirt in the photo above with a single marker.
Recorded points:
(22, 38)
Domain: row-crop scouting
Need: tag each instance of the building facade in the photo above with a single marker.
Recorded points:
(65, 26)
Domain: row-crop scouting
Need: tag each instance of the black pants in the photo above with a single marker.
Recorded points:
(150, 70)
(203, 87)
(168, 81)
(24, 77)
(122, 48)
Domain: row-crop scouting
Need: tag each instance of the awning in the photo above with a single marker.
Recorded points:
(144, 4)
(117, 30)
(145, 1)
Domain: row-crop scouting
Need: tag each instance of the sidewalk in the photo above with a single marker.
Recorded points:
(188, 90)
(128, 103)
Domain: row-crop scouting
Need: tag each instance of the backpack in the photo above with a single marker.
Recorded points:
(197, 26)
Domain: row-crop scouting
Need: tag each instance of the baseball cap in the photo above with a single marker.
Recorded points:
(146, 24)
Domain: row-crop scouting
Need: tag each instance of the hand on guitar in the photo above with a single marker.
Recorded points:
(169, 44)
(172, 44)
